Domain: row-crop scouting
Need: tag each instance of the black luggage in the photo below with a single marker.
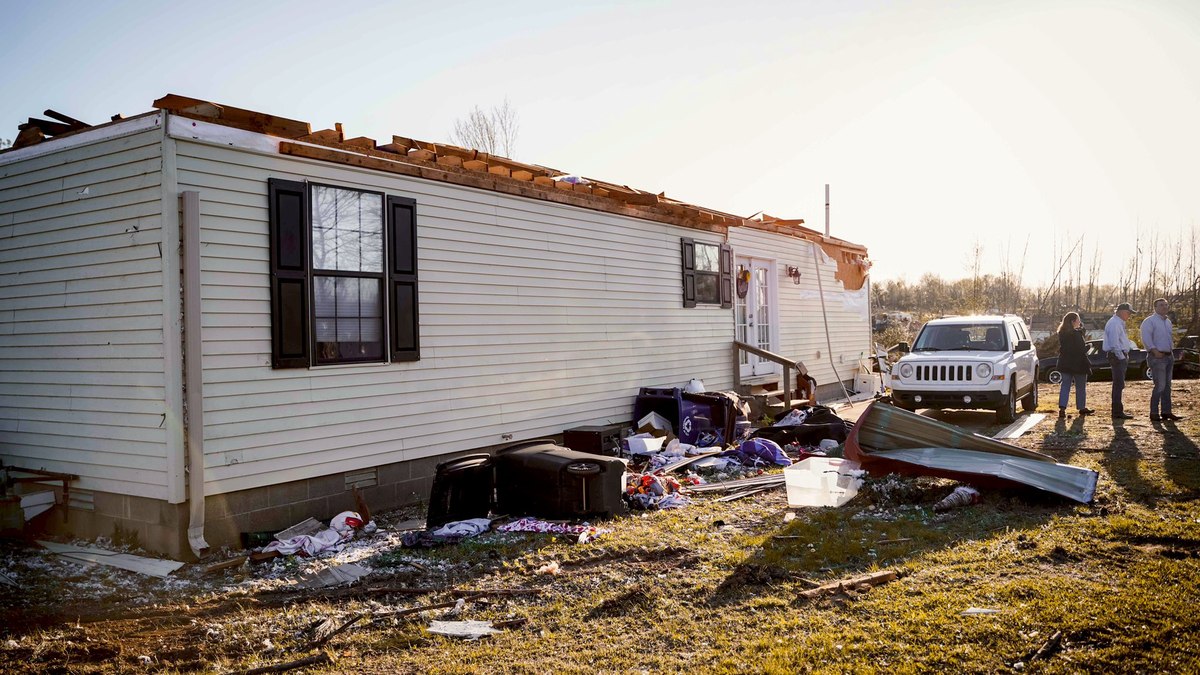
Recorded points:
(821, 423)
(543, 479)
(462, 489)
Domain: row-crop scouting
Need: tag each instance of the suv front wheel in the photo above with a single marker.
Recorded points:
(1008, 409)
(1030, 402)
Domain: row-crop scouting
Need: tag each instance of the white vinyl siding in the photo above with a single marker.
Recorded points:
(534, 317)
(81, 312)
(801, 330)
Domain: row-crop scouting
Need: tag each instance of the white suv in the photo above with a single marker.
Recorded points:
(969, 362)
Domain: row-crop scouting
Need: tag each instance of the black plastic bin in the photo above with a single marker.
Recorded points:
(697, 419)
(462, 489)
(543, 479)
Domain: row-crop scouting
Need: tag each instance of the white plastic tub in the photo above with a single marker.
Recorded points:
(821, 481)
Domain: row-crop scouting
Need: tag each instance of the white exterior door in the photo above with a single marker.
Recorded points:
(756, 314)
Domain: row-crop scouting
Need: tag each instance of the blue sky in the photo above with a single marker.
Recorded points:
(937, 123)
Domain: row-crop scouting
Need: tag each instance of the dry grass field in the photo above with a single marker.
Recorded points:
(716, 587)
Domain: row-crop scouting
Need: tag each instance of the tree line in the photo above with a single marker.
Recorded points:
(1158, 266)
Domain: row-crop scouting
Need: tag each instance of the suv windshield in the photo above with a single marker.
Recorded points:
(986, 337)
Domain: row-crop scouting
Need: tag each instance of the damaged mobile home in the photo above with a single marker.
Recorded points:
(221, 321)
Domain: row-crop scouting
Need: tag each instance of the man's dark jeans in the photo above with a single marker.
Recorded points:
(1118, 379)
(1160, 397)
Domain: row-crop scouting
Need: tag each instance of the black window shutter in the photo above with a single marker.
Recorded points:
(404, 344)
(288, 204)
(726, 276)
(689, 271)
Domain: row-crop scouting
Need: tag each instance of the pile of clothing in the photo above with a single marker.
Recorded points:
(648, 491)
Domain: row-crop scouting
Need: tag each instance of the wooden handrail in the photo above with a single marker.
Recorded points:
(788, 365)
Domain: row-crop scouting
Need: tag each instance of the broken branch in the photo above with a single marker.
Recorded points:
(355, 619)
(316, 660)
(867, 580)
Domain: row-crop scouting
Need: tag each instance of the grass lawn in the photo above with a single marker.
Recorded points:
(716, 587)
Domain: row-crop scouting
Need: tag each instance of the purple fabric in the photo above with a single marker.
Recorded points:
(757, 451)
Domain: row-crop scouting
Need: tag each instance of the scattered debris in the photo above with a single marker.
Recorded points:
(341, 530)
(742, 484)
(978, 611)
(226, 564)
(546, 526)
(551, 568)
(853, 583)
(125, 561)
(347, 573)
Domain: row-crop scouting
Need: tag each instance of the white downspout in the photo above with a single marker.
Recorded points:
(189, 206)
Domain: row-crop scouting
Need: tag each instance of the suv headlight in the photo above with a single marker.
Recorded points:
(906, 371)
(984, 370)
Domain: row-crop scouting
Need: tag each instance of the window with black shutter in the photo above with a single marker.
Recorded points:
(343, 276)
(707, 273)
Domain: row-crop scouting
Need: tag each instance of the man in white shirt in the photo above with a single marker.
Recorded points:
(1157, 339)
(1117, 346)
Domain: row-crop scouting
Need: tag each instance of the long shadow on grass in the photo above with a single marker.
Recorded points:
(1182, 459)
(877, 533)
(1120, 462)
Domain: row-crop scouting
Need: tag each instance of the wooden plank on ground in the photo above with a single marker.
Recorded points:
(226, 564)
(86, 554)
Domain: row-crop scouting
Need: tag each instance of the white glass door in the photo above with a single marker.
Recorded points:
(756, 314)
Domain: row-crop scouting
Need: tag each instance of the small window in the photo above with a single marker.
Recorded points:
(353, 253)
(707, 274)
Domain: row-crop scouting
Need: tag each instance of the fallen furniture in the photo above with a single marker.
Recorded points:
(887, 439)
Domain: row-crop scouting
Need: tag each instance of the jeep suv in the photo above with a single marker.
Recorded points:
(969, 362)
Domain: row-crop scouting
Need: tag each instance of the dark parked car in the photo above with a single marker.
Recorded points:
(1136, 369)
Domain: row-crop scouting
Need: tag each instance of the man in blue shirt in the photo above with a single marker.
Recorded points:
(1156, 337)
(1117, 346)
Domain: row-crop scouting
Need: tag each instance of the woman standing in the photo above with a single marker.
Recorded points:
(1073, 364)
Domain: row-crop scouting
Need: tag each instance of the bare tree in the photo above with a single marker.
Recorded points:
(974, 266)
(5, 143)
(493, 131)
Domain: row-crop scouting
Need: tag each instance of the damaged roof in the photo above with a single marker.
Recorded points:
(473, 168)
